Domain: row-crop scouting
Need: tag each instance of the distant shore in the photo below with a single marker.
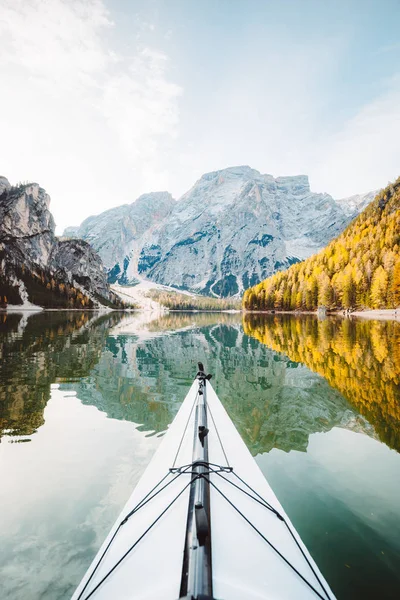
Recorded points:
(381, 314)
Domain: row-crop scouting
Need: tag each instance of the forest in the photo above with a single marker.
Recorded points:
(47, 290)
(358, 269)
(176, 301)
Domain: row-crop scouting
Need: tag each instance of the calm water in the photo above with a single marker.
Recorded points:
(84, 402)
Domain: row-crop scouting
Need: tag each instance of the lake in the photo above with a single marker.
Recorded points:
(85, 400)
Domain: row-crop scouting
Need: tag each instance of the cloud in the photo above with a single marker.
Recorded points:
(141, 85)
(91, 112)
(365, 153)
(57, 41)
(80, 116)
(291, 117)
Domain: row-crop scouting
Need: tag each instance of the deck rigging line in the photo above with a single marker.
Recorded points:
(136, 543)
(202, 469)
(217, 470)
(276, 549)
(217, 432)
(186, 426)
(138, 506)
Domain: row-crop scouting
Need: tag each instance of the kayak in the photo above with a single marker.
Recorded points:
(203, 522)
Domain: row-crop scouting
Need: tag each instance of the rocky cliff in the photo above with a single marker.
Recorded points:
(31, 257)
(26, 224)
(232, 229)
(117, 234)
(81, 263)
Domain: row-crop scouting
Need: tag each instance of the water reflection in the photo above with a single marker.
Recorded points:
(342, 494)
(177, 320)
(41, 349)
(359, 358)
(273, 401)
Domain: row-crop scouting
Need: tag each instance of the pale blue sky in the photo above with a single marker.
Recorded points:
(104, 100)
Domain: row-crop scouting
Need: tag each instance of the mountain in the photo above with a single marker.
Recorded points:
(353, 205)
(360, 268)
(232, 229)
(37, 267)
(117, 234)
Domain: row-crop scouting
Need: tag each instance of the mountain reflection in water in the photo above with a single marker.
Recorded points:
(269, 388)
(273, 401)
(299, 391)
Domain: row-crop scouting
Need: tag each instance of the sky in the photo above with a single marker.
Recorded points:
(104, 100)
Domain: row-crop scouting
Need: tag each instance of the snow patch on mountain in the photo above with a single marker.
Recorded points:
(139, 294)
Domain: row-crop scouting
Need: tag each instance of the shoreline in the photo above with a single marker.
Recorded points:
(383, 314)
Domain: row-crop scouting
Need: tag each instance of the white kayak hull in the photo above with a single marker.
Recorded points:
(244, 564)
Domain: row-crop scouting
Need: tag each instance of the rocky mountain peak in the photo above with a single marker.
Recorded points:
(119, 233)
(233, 228)
(162, 198)
(240, 172)
(158, 203)
(297, 185)
(352, 205)
(81, 263)
(25, 220)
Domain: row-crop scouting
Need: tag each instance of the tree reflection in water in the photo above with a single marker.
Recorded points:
(264, 372)
(360, 358)
(39, 350)
(273, 401)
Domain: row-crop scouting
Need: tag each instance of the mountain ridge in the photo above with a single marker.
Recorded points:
(231, 229)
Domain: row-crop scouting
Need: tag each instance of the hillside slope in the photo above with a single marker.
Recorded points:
(360, 268)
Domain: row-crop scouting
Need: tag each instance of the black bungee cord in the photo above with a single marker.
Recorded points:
(212, 468)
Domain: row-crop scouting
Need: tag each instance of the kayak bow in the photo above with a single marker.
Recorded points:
(202, 522)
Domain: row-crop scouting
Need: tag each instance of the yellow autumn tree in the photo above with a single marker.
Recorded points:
(395, 286)
(379, 288)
